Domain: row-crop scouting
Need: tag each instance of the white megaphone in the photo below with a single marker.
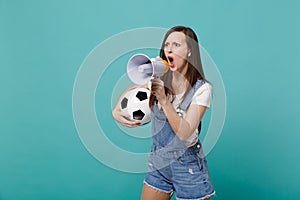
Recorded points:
(141, 69)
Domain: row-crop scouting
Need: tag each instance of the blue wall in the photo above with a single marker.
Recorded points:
(255, 45)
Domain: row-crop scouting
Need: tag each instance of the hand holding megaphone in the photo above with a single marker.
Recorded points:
(141, 69)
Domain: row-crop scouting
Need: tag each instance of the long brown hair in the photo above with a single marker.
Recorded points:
(194, 71)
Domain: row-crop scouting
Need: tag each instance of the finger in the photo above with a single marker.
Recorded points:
(125, 119)
(156, 89)
(156, 85)
(132, 125)
(157, 81)
(128, 121)
(124, 114)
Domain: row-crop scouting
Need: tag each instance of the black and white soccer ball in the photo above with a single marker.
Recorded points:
(136, 104)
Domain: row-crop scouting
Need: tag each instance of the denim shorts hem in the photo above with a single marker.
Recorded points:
(158, 189)
(201, 198)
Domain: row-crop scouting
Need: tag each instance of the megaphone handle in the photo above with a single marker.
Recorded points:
(150, 83)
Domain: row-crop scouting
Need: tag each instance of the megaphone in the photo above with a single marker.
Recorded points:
(141, 69)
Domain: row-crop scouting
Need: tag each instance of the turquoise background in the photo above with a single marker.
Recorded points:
(255, 45)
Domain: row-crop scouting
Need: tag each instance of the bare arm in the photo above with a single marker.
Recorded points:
(182, 127)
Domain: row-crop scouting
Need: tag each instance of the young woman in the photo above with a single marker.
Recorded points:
(178, 101)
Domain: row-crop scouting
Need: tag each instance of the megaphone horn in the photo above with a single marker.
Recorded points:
(141, 68)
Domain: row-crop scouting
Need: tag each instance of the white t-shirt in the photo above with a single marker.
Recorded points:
(201, 97)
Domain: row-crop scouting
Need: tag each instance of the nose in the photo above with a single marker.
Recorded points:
(169, 49)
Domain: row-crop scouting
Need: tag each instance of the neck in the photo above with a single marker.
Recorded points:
(179, 75)
(179, 83)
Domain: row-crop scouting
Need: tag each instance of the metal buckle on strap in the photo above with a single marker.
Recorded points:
(179, 112)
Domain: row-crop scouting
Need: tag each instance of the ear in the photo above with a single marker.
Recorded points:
(189, 52)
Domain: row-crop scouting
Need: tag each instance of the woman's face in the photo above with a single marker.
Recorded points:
(176, 51)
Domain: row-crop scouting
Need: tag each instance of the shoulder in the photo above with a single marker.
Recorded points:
(203, 95)
(205, 88)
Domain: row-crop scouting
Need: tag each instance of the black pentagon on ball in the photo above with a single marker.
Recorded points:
(124, 103)
(138, 115)
(141, 95)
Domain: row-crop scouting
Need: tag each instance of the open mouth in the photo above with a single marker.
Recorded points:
(171, 61)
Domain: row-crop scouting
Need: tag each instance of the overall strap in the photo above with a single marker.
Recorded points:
(188, 99)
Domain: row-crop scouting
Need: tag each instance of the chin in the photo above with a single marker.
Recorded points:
(173, 69)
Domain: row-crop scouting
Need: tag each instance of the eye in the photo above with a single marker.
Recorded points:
(177, 44)
(167, 44)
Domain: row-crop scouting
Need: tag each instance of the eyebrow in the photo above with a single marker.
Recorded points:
(173, 42)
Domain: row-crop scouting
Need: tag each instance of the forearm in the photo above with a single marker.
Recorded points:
(180, 126)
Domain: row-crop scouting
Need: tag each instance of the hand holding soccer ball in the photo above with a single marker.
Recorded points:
(135, 105)
(124, 118)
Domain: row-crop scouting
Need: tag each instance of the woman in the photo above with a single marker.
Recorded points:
(178, 101)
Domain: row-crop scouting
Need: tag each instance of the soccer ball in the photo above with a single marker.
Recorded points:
(136, 104)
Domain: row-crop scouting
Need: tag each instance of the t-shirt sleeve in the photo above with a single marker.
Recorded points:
(203, 95)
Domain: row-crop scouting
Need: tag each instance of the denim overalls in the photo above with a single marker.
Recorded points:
(172, 165)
